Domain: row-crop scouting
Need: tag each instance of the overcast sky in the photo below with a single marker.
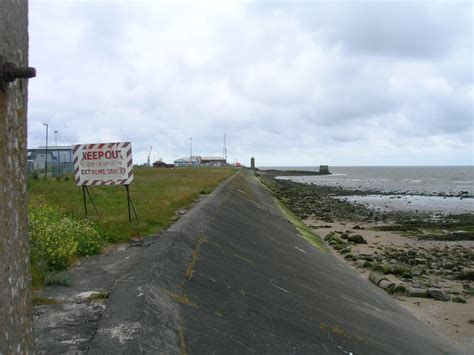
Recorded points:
(291, 83)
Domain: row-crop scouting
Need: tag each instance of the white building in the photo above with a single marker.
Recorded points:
(189, 161)
(200, 161)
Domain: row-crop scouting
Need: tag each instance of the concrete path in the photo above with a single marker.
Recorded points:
(233, 276)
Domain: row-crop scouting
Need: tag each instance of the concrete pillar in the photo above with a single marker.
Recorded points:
(16, 331)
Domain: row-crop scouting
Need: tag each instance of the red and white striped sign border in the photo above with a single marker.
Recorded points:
(103, 164)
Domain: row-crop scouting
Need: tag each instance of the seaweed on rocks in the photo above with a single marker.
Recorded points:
(306, 200)
(313, 200)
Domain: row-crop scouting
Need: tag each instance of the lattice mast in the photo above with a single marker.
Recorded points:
(224, 150)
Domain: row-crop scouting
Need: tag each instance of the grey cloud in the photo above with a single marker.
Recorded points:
(292, 82)
(421, 29)
(405, 29)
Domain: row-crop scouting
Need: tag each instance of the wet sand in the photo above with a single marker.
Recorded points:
(414, 203)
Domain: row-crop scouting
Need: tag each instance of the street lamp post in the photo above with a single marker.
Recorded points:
(58, 152)
(46, 151)
(190, 148)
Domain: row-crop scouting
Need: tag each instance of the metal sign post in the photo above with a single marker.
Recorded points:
(130, 204)
(84, 190)
(84, 198)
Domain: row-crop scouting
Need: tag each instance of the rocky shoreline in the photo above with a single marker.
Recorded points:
(324, 202)
(412, 256)
(363, 189)
(275, 173)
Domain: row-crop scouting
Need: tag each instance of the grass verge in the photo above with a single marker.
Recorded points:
(60, 232)
(156, 193)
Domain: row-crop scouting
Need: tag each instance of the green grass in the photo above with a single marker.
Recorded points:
(156, 193)
(60, 232)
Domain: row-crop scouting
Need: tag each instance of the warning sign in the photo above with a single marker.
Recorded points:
(103, 164)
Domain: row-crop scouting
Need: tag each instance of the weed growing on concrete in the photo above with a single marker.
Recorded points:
(99, 296)
(190, 270)
(183, 299)
(182, 340)
(39, 300)
(57, 279)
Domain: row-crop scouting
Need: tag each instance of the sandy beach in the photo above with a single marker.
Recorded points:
(453, 320)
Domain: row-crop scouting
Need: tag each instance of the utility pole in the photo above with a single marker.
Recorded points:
(16, 330)
(58, 152)
(224, 151)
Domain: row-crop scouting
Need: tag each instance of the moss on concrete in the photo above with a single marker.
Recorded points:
(302, 228)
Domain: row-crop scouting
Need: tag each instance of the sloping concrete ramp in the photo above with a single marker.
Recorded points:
(233, 276)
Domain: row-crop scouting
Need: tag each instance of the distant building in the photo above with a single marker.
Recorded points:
(200, 161)
(162, 164)
(252, 163)
(184, 162)
(213, 161)
(59, 159)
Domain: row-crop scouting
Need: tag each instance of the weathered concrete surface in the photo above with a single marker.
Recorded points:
(69, 325)
(233, 276)
(16, 333)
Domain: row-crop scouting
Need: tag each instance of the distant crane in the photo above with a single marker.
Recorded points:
(149, 156)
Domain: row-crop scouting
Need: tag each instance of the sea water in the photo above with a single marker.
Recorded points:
(447, 189)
